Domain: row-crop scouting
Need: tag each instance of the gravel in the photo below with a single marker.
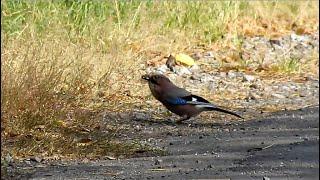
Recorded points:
(251, 90)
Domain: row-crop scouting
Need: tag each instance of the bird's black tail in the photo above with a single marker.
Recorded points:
(224, 111)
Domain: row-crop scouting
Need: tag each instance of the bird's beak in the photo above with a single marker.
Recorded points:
(145, 77)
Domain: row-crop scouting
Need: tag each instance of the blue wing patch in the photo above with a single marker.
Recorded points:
(177, 101)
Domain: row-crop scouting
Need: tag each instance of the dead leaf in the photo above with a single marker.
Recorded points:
(185, 59)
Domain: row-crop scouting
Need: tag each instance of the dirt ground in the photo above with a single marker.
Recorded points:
(279, 145)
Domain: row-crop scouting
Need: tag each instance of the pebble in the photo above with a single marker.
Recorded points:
(195, 77)
(248, 78)
(181, 70)
(205, 79)
(36, 159)
(196, 56)
(259, 52)
(299, 38)
(8, 158)
(195, 68)
(223, 74)
(157, 161)
(209, 54)
(280, 96)
(253, 86)
(141, 116)
(162, 69)
(212, 86)
(209, 166)
(232, 75)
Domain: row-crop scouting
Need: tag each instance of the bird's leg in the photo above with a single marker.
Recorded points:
(183, 118)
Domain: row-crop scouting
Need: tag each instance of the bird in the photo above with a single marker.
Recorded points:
(178, 100)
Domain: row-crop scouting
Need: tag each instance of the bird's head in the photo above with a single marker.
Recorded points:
(155, 79)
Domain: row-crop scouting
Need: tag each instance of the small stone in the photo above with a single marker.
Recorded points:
(278, 96)
(210, 166)
(275, 42)
(248, 78)
(223, 74)
(195, 77)
(149, 70)
(196, 169)
(157, 161)
(252, 96)
(206, 78)
(195, 68)
(212, 86)
(253, 86)
(137, 128)
(162, 69)
(299, 38)
(9, 158)
(141, 116)
(231, 74)
(27, 161)
(172, 77)
(209, 54)
(36, 159)
(196, 56)
(182, 70)
(303, 94)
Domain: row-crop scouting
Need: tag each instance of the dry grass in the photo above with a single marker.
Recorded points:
(63, 62)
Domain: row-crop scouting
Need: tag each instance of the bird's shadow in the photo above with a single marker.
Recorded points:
(168, 122)
(188, 123)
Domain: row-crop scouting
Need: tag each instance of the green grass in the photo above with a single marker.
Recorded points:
(288, 66)
(61, 57)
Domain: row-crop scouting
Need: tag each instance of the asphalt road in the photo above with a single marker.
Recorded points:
(283, 146)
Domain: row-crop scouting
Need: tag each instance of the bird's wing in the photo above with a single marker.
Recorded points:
(188, 99)
(175, 96)
(198, 101)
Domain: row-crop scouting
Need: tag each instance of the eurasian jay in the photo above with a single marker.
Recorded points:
(178, 100)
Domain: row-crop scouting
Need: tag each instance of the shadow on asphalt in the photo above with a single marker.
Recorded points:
(282, 145)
